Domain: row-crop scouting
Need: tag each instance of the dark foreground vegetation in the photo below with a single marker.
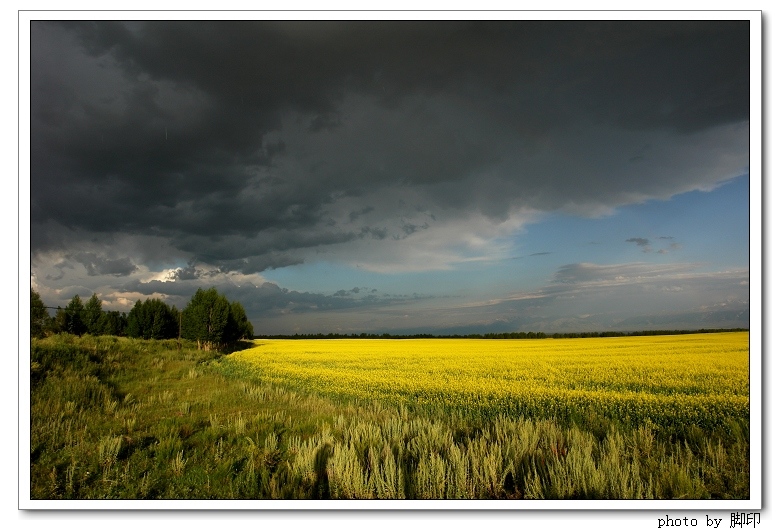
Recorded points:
(123, 418)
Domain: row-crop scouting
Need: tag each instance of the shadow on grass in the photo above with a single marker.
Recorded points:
(238, 346)
(322, 486)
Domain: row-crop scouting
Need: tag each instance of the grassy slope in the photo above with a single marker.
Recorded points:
(129, 419)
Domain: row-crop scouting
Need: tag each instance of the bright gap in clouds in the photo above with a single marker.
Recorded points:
(708, 228)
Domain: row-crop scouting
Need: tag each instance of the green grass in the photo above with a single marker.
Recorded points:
(115, 418)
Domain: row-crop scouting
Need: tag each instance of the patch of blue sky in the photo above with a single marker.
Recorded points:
(325, 277)
(707, 227)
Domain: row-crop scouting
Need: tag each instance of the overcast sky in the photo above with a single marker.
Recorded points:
(414, 177)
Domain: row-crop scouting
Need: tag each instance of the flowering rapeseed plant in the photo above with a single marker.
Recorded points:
(669, 380)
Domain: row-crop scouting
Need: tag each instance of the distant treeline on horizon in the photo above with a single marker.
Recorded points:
(511, 335)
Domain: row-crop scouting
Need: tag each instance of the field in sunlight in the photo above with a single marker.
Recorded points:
(699, 379)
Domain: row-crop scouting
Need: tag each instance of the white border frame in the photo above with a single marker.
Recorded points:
(756, 265)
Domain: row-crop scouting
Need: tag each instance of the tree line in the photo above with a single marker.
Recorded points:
(509, 335)
(209, 318)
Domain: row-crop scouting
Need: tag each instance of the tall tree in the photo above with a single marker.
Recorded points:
(153, 319)
(239, 326)
(113, 323)
(135, 320)
(162, 319)
(73, 321)
(205, 319)
(60, 321)
(39, 318)
(93, 311)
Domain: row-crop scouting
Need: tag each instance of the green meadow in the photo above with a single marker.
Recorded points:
(120, 418)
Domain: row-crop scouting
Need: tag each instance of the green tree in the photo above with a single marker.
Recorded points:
(205, 319)
(73, 321)
(153, 319)
(93, 311)
(59, 325)
(163, 320)
(136, 320)
(39, 318)
(239, 326)
(113, 323)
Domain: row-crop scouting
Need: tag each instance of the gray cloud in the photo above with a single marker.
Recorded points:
(641, 241)
(375, 233)
(354, 215)
(627, 296)
(590, 272)
(69, 292)
(190, 272)
(646, 246)
(263, 300)
(99, 265)
(61, 266)
(670, 299)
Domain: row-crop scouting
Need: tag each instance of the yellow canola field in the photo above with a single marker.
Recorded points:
(672, 379)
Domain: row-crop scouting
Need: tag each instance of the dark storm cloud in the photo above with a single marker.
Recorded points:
(190, 272)
(99, 265)
(410, 228)
(241, 143)
(354, 215)
(375, 233)
(61, 266)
